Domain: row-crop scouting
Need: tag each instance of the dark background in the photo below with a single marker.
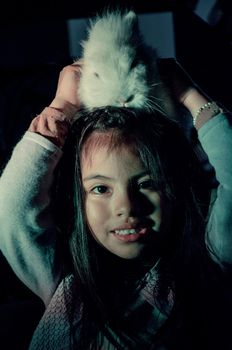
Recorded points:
(34, 47)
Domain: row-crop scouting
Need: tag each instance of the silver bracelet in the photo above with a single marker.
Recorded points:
(207, 106)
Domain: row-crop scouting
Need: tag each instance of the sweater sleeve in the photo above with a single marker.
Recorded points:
(216, 139)
(27, 234)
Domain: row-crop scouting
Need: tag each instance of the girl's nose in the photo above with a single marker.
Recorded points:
(123, 205)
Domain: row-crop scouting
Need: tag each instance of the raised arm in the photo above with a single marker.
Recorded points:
(215, 134)
(28, 234)
(214, 129)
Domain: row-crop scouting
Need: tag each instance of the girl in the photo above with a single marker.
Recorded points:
(114, 237)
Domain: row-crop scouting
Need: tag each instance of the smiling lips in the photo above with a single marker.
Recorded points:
(130, 235)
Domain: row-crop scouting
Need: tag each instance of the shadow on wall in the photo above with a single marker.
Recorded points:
(206, 54)
(32, 54)
(24, 91)
(18, 319)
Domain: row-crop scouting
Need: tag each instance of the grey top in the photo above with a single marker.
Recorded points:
(27, 235)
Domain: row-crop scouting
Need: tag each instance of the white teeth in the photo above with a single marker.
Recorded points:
(125, 232)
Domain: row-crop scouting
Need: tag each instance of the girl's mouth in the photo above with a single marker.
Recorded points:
(131, 231)
(130, 235)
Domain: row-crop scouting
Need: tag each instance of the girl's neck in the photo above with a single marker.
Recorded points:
(120, 269)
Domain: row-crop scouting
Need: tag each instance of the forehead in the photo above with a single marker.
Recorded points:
(110, 142)
(98, 140)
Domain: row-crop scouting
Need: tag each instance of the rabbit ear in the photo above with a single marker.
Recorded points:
(131, 16)
(131, 20)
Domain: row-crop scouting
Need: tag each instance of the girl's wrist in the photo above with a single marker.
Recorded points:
(53, 124)
(194, 100)
(67, 108)
(201, 107)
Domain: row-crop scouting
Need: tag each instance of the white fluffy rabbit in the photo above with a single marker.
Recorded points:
(119, 69)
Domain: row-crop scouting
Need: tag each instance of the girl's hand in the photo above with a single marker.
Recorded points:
(66, 98)
(177, 79)
(182, 87)
(53, 122)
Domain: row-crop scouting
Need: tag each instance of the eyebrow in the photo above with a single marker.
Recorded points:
(104, 177)
(98, 177)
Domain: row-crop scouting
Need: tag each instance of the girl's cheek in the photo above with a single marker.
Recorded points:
(96, 211)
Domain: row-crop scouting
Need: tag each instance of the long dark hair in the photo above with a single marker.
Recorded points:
(177, 173)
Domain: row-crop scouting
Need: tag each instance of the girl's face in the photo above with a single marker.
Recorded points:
(123, 208)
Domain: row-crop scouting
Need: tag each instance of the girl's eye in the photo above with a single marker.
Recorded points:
(100, 189)
(147, 185)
